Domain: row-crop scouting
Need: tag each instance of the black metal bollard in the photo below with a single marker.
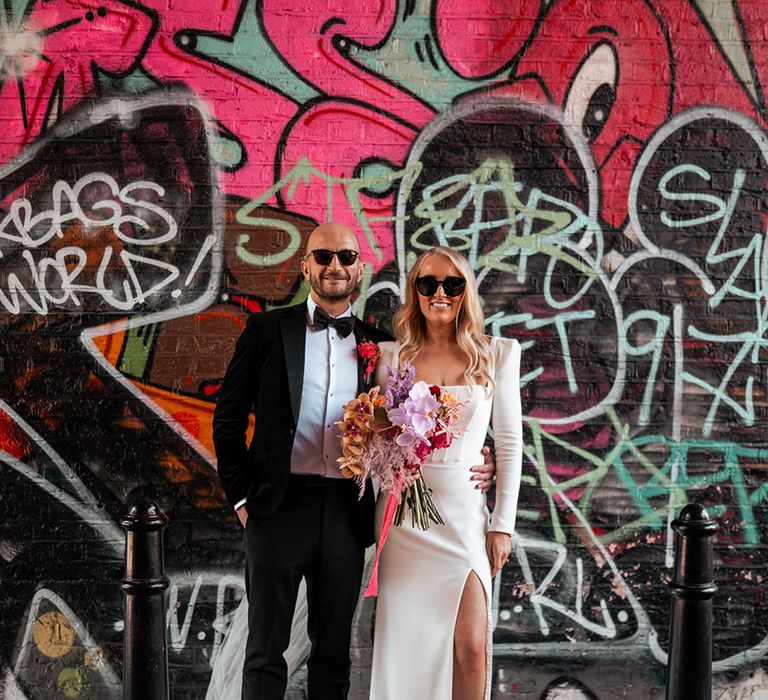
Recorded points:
(689, 666)
(145, 654)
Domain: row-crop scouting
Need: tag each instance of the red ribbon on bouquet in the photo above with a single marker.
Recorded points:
(386, 524)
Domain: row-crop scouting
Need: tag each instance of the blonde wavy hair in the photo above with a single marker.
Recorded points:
(410, 325)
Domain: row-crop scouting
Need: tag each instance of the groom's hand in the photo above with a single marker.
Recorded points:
(242, 515)
(484, 473)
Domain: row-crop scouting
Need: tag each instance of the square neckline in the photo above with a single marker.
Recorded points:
(396, 365)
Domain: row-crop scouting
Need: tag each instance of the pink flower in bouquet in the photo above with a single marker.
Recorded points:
(441, 440)
(422, 450)
(415, 416)
(399, 383)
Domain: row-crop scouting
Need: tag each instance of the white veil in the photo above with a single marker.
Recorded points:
(227, 677)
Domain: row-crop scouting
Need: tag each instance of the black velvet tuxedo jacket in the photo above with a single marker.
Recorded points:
(265, 376)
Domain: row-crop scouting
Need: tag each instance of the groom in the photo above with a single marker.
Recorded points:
(295, 368)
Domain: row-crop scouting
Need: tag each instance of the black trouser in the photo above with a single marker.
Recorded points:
(315, 533)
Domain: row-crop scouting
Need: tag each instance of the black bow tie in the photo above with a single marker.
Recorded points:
(344, 325)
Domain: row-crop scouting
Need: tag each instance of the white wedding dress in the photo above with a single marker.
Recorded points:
(422, 573)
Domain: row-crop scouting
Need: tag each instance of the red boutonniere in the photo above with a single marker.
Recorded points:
(368, 351)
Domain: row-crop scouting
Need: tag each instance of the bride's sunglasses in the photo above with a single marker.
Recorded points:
(325, 257)
(452, 286)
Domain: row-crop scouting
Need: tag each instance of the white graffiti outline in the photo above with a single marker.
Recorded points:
(124, 109)
(461, 111)
(213, 244)
(87, 507)
(28, 643)
(644, 627)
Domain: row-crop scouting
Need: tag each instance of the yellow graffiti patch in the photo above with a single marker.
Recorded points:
(71, 682)
(53, 634)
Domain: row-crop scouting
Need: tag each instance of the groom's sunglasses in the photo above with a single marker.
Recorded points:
(325, 257)
(452, 286)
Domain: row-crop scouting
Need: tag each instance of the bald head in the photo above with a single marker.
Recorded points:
(333, 236)
(331, 278)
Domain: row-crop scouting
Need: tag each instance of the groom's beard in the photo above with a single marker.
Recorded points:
(328, 285)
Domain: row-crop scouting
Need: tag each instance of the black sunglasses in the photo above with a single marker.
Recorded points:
(325, 257)
(452, 286)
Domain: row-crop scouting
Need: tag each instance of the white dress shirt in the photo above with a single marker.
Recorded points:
(330, 381)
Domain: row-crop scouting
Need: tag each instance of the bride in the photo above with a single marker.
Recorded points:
(433, 617)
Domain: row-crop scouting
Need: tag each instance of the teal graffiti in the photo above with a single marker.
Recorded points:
(729, 455)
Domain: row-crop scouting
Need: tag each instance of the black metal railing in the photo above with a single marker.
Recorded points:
(145, 653)
(689, 666)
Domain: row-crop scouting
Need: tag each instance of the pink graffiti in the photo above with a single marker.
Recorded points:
(696, 60)
(243, 108)
(483, 41)
(341, 135)
(321, 47)
(336, 137)
(753, 16)
(564, 56)
(66, 40)
(650, 62)
(373, 119)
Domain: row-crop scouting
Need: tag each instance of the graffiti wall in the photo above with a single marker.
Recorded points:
(603, 165)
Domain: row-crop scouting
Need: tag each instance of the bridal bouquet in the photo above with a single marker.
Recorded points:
(390, 436)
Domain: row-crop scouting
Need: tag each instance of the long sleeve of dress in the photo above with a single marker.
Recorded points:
(507, 422)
